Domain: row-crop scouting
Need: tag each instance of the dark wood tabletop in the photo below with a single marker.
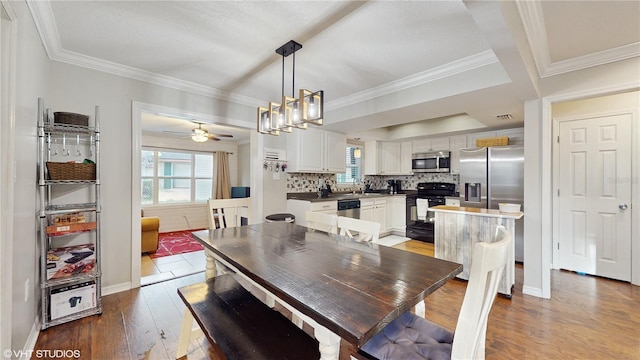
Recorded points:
(352, 288)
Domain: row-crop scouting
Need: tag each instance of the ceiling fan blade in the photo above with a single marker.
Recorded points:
(212, 137)
(224, 135)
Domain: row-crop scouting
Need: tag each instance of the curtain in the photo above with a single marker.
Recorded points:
(223, 182)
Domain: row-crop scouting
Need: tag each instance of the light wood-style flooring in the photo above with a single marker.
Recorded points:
(586, 318)
(170, 267)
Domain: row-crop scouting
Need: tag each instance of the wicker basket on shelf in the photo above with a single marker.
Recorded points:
(70, 118)
(71, 171)
(495, 141)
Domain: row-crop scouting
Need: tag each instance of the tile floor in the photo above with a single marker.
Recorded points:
(170, 267)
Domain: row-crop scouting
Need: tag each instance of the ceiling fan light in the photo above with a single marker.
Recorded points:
(199, 137)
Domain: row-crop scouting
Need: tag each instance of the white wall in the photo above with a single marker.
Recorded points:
(244, 160)
(78, 90)
(274, 190)
(31, 82)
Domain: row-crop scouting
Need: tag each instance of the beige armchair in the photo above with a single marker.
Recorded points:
(150, 226)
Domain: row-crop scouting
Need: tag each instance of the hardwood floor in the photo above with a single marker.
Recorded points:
(586, 318)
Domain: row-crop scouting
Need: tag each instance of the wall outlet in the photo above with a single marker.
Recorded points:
(27, 289)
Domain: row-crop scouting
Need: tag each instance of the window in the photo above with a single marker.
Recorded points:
(353, 172)
(171, 176)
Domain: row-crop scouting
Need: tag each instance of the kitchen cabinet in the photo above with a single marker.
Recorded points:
(375, 210)
(396, 214)
(299, 208)
(69, 219)
(456, 143)
(516, 136)
(316, 151)
(387, 158)
(406, 150)
(430, 144)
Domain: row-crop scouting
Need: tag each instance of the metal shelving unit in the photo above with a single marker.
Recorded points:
(74, 289)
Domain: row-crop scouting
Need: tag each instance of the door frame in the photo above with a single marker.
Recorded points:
(635, 147)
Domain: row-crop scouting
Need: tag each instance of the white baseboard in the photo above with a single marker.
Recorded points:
(533, 291)
(30, 344)
(108, 290)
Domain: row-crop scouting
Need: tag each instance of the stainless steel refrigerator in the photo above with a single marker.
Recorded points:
(493, 175)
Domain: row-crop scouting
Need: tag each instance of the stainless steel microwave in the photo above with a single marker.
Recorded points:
(432, 162)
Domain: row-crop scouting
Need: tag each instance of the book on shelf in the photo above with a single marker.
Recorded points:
(70, 260)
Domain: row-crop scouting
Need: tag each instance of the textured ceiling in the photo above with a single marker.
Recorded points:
(380, 63)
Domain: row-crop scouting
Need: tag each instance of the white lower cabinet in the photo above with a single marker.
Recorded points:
(396, 214)
(299, 208)
(375, 210)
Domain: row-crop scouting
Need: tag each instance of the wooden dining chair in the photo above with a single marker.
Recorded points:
(413, 337)
(321, 221)
(367, 230)
(225, 213)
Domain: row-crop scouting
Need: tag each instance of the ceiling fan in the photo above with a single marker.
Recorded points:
(201, 135)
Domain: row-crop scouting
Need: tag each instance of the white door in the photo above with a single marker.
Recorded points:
(594, 226)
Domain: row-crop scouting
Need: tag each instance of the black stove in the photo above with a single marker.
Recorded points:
(422, 227)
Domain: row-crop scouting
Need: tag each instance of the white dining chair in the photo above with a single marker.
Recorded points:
(367, 230)
(225, 213)
(321, 221)
(413, 337)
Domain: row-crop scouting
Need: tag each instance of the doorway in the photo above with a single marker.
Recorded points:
(593, 187)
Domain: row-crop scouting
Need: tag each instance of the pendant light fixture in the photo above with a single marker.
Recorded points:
(291, 112)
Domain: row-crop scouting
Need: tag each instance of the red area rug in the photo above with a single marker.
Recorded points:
(176, 242)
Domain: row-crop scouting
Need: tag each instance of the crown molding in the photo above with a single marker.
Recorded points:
(533, 23)
(455, 67)
(46, 26)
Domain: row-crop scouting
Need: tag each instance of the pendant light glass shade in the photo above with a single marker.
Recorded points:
(312, 106)
(264, 122)
(357, 153)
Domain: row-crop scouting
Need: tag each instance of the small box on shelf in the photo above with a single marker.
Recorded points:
(58, 230)
(72, 299)
(71, 260)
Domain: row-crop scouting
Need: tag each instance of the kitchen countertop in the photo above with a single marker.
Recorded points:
(477, 211)
(313, 197)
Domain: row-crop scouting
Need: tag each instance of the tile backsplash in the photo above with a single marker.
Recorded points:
(297, 182)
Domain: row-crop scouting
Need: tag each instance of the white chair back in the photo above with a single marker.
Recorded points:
(225, 213)
(367, 230)
(321, 221)
(489, 260)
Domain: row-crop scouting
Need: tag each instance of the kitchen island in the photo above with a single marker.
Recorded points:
(457, 229)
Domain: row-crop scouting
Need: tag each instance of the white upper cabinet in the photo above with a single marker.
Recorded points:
(406, 150)
(516, 136)
(456, 143)
(431, 144)
(387, 158)
(316, 151)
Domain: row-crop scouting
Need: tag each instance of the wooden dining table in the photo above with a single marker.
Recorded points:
(345, 289)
